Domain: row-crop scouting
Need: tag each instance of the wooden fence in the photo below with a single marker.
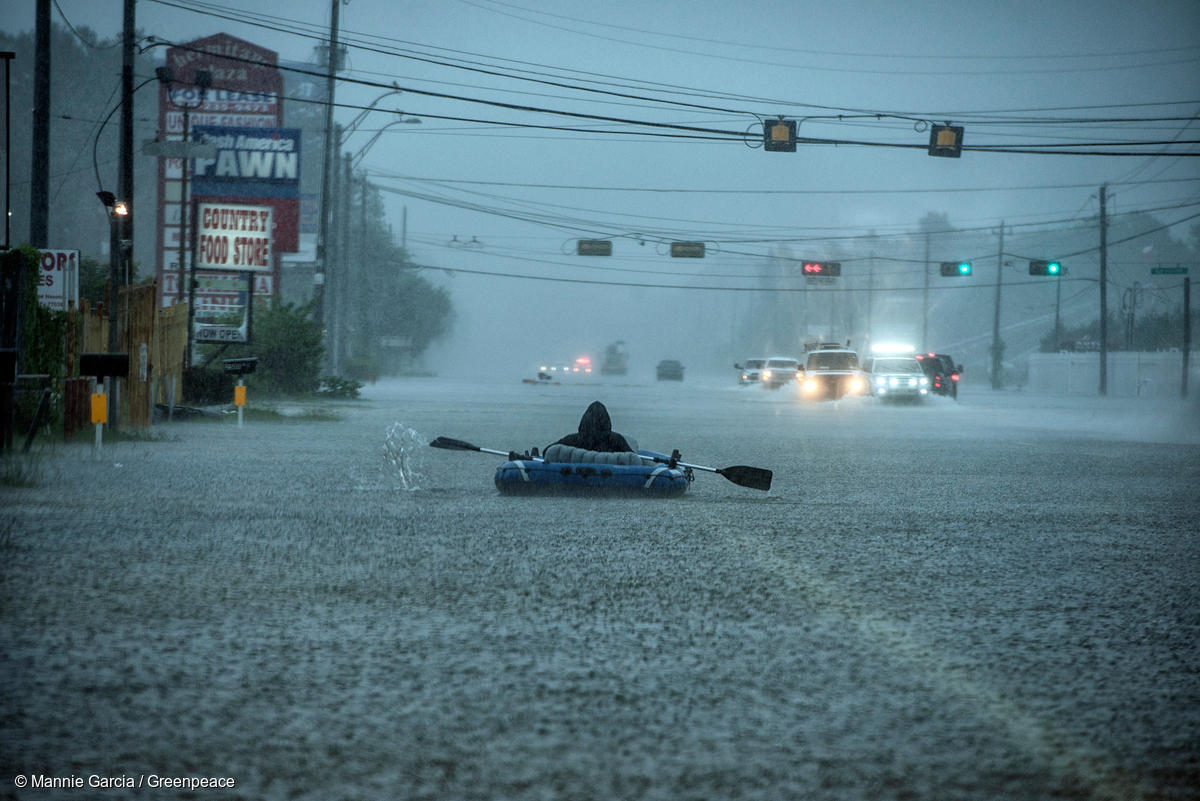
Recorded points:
(155, 340)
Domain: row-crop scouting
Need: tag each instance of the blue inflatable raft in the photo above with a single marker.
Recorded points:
(576, 471)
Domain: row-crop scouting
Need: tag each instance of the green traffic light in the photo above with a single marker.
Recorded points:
(964, 268)
(1052, 268)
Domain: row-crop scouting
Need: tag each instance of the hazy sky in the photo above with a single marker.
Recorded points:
(1002, 70)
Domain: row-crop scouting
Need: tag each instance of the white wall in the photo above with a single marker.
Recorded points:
(1130, 375)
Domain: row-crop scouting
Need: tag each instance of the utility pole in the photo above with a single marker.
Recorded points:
(870, 296)
(39, 188)
(1104, 290)
(126, 182)
(997, 347)
(345, 189)
(1057, 307)
(925, 298)
(324, 232)
(1187, 332)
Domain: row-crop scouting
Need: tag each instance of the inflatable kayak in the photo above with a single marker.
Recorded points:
(576, 471)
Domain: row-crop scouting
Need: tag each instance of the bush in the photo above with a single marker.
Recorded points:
(287, 342)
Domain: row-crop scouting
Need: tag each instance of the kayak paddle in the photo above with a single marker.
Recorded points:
(751, 477)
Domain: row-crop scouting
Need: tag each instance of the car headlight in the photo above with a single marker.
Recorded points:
(766, 374)
(855, 385)
(912, 382)
(924, 381)
(810, 385)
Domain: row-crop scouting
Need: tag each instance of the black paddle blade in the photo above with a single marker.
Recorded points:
(453, 444)
(751, 477)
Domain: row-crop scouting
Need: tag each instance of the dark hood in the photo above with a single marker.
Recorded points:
(595, 421)
(595, 432)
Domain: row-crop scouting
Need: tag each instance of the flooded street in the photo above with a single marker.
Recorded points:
(994, 598)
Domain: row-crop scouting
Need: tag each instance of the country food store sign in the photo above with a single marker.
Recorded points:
(232, 236)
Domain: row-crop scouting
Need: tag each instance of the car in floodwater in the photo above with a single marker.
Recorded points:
(942, 372)
(669, 370)
(831, 372)
(750, 372)
(895, 378)
(780, 370)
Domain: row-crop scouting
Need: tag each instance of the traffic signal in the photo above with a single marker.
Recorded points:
(945, 140)
(956, 268)
(1037, 267)
(779, 135)
(827, 268)
(594, 247)
(687, 250)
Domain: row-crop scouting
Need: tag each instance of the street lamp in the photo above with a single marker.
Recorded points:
(335, 138)
(202, 79)
(362, 151)
(342, 287)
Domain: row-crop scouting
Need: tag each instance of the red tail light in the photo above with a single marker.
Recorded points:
(954, 376)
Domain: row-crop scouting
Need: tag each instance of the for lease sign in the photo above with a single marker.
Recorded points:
(58, 278)
(233, 236)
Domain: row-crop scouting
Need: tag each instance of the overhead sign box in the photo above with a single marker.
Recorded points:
(945, 141)
(594, 247)
(687, 250)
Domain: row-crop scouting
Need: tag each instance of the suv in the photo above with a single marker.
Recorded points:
(751, 371)
(831, 372)
(780, 370)
(942, 372)
(896, 378)
(669, 370)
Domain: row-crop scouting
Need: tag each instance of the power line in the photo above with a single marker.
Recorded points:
(316, 35)
(941, 73)
(678, 190)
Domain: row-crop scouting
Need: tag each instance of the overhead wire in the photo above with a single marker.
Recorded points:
(942, 73)
(313, 34)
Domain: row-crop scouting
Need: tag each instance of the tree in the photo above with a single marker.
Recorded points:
(389, 301)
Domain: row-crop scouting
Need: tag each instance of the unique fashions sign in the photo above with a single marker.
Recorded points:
(234, 237)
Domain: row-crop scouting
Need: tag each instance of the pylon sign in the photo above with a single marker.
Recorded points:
(246, 93)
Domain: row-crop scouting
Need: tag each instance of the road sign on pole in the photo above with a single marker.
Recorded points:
(1168, 270)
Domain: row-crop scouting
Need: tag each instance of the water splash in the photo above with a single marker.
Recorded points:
(405, 449)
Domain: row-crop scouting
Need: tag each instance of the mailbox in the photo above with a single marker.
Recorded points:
(104, 365)
(240, 366)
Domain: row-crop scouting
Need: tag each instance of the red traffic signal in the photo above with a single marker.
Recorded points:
(822, 268)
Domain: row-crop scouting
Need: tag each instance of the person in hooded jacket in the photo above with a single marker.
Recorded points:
(595, 432)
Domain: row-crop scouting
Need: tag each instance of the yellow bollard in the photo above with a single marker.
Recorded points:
(99, 416)
(239, 399)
